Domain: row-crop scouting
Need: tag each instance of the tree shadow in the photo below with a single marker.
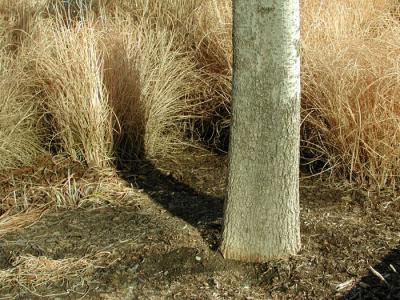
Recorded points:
(204, 212)
(371, 287)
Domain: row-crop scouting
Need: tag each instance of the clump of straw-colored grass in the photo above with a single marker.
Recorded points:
(213, 52)
(67, 70)
(20, 140)
(17, 19)
(95, 87)
(128, 76)
(171, 15)
(351, 87)
(150, 84)
(350, 76)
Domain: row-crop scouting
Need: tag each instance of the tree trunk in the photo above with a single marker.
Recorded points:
(262, 207)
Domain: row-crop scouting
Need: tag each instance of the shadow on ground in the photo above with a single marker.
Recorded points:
(371, 287)
(203, 211)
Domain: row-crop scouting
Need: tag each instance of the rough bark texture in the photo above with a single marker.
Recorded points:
(262, 207)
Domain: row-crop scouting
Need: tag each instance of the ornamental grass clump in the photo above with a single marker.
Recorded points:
(350, 89)
(67, 70)
(20, 139)
(151, 85)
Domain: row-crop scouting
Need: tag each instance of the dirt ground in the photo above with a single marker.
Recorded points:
(164, 245)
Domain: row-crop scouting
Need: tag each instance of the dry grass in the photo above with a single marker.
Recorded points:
(150, 84)
(350, 82)
(214, 56)
(96, 80)
(172, 15)
(141, 95)
(31, 272)
(57, 182)
(20, 138)
(125, 78)
(77, 95)
(17, 19)
(67, 71)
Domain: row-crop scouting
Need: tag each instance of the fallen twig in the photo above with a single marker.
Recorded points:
(393, 269)
(379, 275)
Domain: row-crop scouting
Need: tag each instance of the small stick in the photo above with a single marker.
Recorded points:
(379, 275)
(393, 269)
(344, 285)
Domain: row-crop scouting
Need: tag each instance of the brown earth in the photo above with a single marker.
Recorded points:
(164, 245)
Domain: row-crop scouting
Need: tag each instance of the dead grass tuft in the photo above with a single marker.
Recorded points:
(214, 57)
(30, 272)
(150, 84)
(350, 88)
(20, 139)
(57, 182)
(17, 19)
(66, 68)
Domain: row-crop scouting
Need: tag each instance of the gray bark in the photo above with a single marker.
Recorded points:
(262, 207)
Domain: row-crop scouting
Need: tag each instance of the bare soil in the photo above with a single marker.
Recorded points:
(165, 244)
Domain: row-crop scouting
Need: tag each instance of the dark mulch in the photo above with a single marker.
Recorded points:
(165, 246)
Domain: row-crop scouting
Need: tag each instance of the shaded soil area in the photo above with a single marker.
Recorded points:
(165, 244)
